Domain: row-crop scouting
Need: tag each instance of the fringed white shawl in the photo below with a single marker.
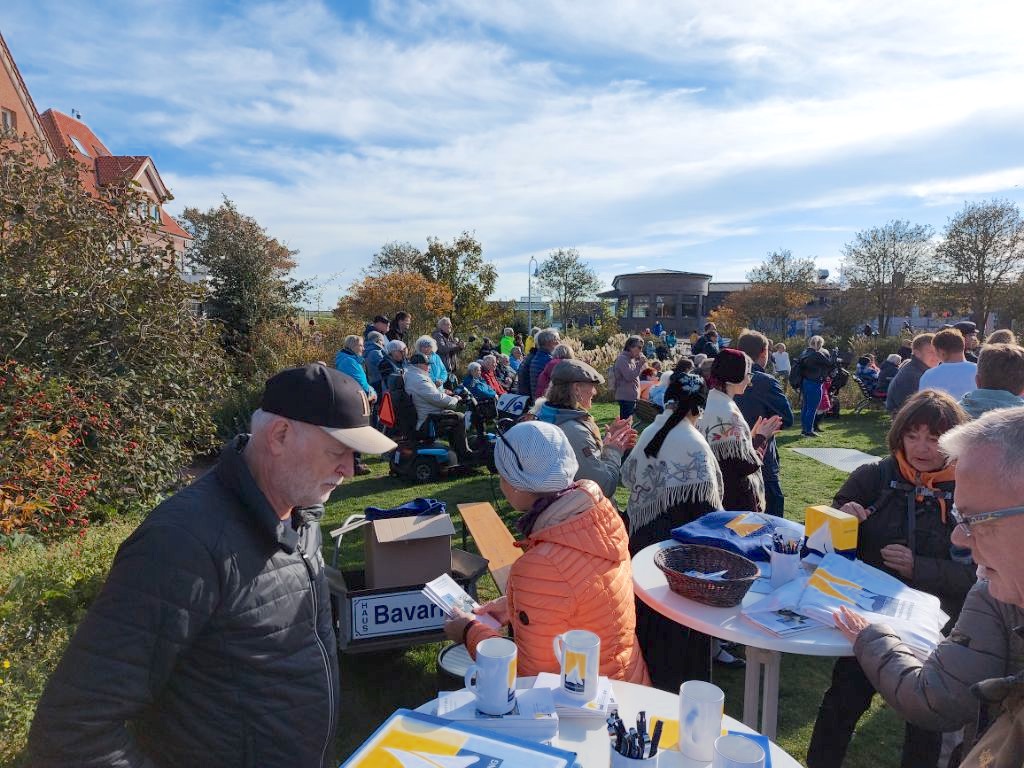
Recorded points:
(726, 431)
(684, 470)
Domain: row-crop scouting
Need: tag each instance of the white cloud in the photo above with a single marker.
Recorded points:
(668, 132)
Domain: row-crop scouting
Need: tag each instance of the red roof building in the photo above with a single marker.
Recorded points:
(98, 167)
(18, 115)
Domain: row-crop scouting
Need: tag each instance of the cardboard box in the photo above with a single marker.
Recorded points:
(826, 526)
(407, 550)
(378, 619)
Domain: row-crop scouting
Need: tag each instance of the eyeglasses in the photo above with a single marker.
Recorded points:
(501, 436)
(984, 517)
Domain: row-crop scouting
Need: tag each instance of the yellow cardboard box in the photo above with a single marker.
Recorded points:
(826, 524)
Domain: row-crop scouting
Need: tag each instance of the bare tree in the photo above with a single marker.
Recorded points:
(571, 281)
(982, 254)
(890, 264)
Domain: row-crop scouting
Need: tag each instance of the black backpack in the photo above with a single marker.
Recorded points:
(796, 374)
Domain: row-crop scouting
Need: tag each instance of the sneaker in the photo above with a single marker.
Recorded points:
(725, 659)
(809, 434)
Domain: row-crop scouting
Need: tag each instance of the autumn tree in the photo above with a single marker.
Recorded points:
(569, 280)
(890, 264)
(393, 292)
(459, 265)
(248, 269)
(783, 284)
(982, 254)
(847, 310)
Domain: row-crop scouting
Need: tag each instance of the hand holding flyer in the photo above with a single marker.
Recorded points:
(446, 594)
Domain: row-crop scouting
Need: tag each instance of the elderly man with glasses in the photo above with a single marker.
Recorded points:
(982, 660)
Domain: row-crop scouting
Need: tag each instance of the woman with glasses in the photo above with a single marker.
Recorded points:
(904, 505)
(575, 572)
(673, 478)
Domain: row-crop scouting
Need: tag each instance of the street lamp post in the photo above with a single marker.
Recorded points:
(530, 274)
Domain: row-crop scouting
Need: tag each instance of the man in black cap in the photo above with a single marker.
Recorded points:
(971, 343)
(380, 323)
(211, 642)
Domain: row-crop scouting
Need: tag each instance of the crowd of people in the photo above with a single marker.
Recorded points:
(221, 594)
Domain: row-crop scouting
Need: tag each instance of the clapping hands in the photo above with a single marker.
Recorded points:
(766, 427)
(620, 434)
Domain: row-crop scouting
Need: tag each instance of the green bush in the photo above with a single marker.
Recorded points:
(90, 295)
(44, 593)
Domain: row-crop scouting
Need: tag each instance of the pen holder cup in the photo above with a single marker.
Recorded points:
(621, 761)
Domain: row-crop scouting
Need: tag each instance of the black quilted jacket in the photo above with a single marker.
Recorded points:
(210, 644)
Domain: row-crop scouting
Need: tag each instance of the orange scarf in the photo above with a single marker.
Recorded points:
(926, 479)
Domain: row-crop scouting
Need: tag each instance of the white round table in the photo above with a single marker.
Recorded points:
(589, 738)
(764, 650)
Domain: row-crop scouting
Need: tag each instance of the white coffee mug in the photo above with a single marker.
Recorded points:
(579, 653)
(495, 676)
(785, 568)
(732, 751)
(701, 706)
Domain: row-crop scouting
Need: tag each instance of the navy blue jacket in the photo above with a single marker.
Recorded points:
(764, 397)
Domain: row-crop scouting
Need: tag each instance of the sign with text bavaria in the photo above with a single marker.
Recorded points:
(394, 613)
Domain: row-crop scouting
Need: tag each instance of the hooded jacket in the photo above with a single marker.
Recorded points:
(980, 401)
(574, 574)
(597, 461)
(210, 644)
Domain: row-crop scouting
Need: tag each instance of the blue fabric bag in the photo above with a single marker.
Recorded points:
(743, 533)
(412, 508)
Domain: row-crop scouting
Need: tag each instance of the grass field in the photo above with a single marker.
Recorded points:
(373, 685)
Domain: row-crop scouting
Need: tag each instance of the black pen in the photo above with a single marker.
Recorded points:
(655, 738)
(631, 743)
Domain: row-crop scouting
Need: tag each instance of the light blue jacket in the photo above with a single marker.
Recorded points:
(437, 370)
(351, 364)
(980, 401)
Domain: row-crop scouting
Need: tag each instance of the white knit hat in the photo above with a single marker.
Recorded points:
(546, 462)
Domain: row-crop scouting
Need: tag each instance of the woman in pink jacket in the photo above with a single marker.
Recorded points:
(575, 572)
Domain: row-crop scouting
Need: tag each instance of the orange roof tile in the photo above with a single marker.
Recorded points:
(7, 60)
(113, 168)
(171, 227)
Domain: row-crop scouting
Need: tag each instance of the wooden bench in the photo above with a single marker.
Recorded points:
(493, 540)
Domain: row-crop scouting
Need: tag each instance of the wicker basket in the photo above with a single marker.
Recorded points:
(675, 561)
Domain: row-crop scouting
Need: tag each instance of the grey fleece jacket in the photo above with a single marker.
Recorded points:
(935, 694)
(598, 462)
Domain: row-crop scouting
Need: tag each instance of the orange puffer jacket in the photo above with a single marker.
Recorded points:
(574, 574)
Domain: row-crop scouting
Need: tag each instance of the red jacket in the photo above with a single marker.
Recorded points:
(492, 381)
(574, 574)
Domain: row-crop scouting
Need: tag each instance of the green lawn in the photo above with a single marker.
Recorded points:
(373, 685)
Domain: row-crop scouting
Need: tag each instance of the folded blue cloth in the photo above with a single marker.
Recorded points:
(409, 509)
(743, 533)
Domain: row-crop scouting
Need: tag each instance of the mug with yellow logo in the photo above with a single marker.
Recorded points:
(495, 676)
(579, 653)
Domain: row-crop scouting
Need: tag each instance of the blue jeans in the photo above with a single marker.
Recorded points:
(626, 408)
(774, 501)
(811, 392)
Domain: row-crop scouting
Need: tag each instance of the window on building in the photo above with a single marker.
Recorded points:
(689, 308)
(79, 146)
(9, 120)
(641, 307)
(665, 306)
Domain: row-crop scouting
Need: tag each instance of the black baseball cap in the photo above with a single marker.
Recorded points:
(326, 398)
(382, 319)
(966, 327)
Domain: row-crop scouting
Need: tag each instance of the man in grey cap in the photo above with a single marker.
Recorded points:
(212, 640)
(567, 405)
(971, 342)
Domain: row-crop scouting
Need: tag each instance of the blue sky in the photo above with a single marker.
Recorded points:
(646, 133)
